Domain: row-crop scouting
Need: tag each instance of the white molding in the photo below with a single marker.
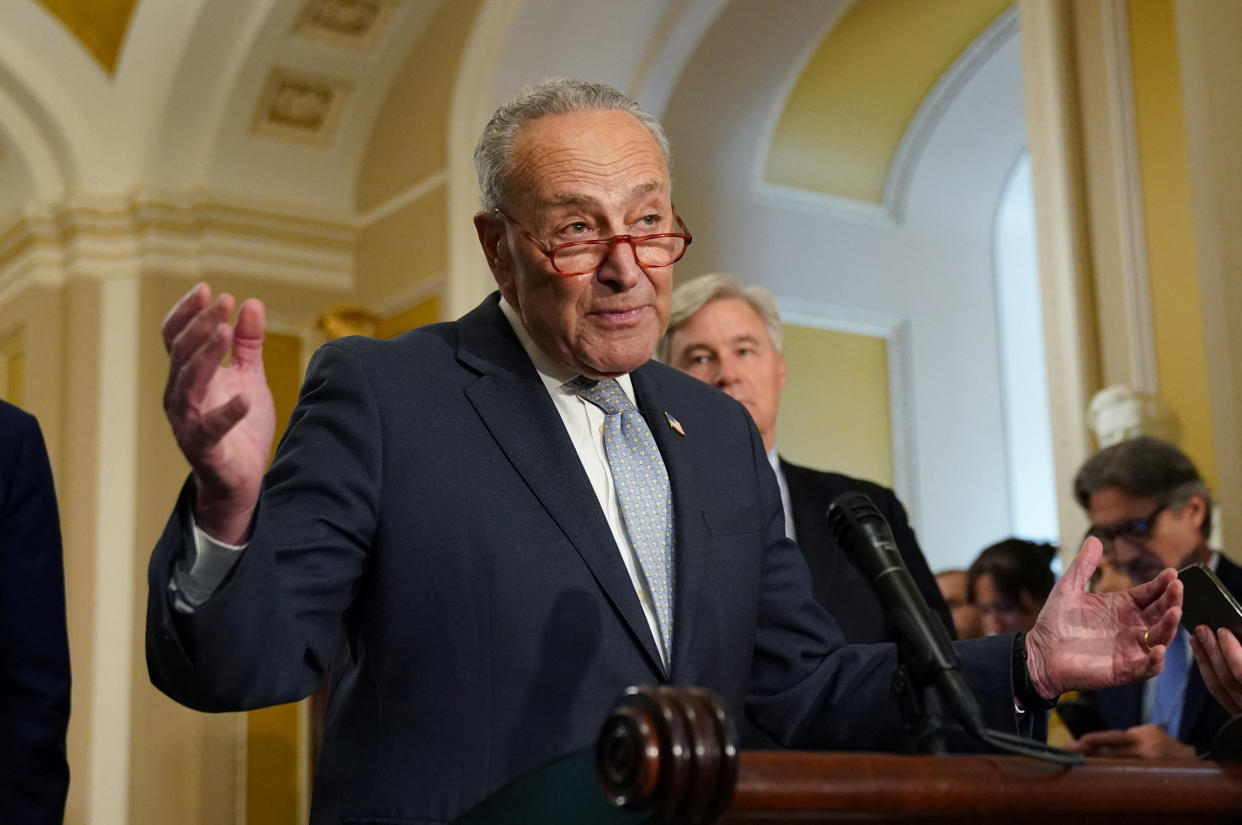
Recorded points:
(657, 75)
(115, 546)
(833, 207)
(412, 295)
(895, 330)
(468, 279)
(108, 237)
(778, 99)
(931, 111)
(1048, 77)
(404, 198)
(891, 210)
(1131, 219)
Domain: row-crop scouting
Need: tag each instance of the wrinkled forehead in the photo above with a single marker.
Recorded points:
(584, 157)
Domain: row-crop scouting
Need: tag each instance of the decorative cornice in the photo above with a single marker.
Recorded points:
(101, 237)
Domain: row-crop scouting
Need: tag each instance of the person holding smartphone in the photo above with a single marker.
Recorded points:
(1151, 509)
(1218, 654)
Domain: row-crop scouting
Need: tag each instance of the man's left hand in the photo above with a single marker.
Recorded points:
(1142, 742)
(1085, 641)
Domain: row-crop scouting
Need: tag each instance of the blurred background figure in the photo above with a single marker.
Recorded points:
(1108, 577)
(1118, 413)
(1009, 582)
(1151, 509)
(34, 642)
(952, 584)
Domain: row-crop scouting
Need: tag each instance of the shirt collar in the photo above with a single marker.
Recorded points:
(553, 374)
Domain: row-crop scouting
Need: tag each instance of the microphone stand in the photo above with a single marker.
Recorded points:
(918, 703)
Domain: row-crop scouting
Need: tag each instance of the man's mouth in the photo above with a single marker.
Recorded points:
(618, 317)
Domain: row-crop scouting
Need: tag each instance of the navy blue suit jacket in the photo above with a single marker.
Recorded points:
(427, 533)
(34, 645)
(1202, 716)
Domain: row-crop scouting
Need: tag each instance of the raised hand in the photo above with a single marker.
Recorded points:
(1084, 641)
(1219, 655)
(222, 416)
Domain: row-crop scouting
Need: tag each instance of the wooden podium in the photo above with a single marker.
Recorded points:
(668, 755)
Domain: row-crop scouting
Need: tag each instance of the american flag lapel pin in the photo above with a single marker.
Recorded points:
(674, 423)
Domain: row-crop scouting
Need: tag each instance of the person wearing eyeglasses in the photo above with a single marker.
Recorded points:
(483, 531)
(1152, 510)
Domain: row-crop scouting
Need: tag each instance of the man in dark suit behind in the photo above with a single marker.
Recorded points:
(730, 336)
(442, 527)
(34, 645)
(1152, 510)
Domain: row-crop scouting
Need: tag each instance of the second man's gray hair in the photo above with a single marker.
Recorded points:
(695, 294)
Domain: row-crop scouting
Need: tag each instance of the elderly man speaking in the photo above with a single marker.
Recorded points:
(485, 530)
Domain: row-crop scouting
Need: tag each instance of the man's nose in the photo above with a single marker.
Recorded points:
(726, 371)
(620, 265)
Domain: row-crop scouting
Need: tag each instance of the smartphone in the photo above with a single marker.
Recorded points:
(1207, 601)
(1080, 717)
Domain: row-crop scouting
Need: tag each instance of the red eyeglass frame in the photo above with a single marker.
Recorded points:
(550, 251)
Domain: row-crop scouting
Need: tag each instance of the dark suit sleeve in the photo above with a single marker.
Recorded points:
(267, 634)
(34, 647)
(810, 690)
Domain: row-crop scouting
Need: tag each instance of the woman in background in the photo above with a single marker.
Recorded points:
(1009, 583)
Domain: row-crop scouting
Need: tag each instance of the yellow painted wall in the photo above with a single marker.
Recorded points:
(851, 105)
(406, 247)
(835, 410)
(99, 25)
(12, 368)
(424, 312)
(1176, 316)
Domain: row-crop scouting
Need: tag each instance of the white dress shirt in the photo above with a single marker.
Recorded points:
(786, 505)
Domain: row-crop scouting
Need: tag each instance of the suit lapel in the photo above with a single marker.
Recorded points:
(513, 404)
(690, 553)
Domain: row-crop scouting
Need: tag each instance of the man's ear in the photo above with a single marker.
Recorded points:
(781, 370)
(1195, 509)
(494, 240)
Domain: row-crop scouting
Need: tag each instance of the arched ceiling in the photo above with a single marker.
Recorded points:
(850, 107)
(99, 25)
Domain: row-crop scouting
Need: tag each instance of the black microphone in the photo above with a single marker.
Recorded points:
(922, 639)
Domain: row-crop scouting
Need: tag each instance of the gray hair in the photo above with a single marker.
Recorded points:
(1144, 466)
(554, 96)
(695, 294)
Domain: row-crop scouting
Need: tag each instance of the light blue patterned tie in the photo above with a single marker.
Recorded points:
(1166, 708)
(642, 489)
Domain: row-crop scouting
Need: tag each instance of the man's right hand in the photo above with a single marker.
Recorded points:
(222, 416)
